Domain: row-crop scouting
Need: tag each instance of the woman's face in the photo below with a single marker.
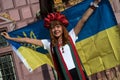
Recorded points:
(57, 30)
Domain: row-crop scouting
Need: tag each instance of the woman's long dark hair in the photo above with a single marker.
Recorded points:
(65, 34)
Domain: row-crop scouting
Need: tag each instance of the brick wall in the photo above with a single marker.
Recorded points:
(116, 8)
(22, 12)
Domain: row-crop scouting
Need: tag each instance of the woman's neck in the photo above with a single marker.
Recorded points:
(60, 42)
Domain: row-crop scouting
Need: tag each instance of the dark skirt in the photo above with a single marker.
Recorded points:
(74, 74)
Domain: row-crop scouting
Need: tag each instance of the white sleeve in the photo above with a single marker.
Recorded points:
(73, 36)
(46, 44)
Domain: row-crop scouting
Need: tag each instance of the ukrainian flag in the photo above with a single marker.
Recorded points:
(98, 42)
(31, 55)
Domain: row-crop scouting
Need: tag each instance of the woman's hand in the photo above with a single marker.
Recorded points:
(6, 35)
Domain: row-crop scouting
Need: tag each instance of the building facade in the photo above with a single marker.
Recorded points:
(15, 14)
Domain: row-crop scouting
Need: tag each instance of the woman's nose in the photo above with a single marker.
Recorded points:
(55, 28)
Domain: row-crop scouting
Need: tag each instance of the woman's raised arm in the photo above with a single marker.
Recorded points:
(24, 40)
(85, 16)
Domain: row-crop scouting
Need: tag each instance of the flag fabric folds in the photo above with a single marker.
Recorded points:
(98, 42)
(31, 55)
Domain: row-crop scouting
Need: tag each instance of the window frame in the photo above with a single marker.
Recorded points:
(12, 60)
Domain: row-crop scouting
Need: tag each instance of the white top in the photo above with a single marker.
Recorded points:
(67, 53)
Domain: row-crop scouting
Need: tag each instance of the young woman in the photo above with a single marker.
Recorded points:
(62, 44)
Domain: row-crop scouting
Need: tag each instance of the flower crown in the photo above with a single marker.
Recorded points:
(56, 16)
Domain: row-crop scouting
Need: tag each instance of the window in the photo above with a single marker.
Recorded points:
(7, 71)
(3, 42)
